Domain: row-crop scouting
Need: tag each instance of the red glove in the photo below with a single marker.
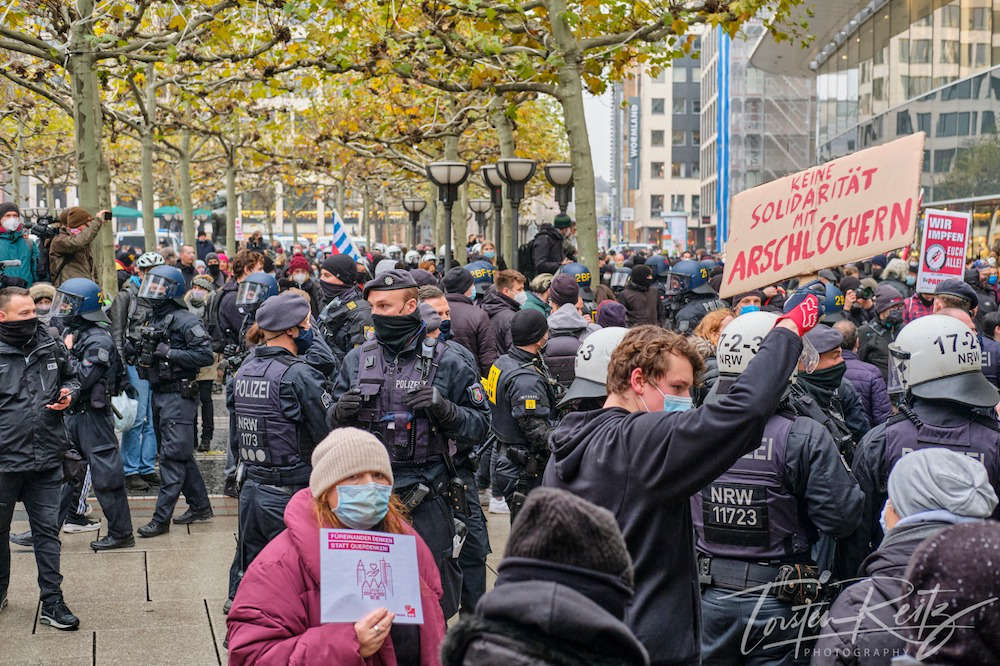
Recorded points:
(805, 315)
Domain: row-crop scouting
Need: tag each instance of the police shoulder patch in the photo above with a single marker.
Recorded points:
(103, 355)
(476, 394)
(327, 400)
(199, 331)
(351, 305)
(530, 404)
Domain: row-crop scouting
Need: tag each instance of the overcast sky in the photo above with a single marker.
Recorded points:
(599, 127)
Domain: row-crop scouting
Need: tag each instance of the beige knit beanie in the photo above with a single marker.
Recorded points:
(343, 453)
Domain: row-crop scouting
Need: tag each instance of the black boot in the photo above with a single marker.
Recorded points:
(111, 543)
(229, 490)
(135, 482)
(192, 516)
(153, 529)
(205, 444)
(59, 616)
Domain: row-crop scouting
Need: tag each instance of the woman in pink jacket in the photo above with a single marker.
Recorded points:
(275, 618)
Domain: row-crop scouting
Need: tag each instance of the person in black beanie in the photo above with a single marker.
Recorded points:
(641, 303)
(523, 394)
(346, 316)
(565, 580)
(470, 324)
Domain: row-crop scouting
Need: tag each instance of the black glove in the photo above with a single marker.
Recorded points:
(348, 406)
(430, 398)
(230, 350)
(162, 350)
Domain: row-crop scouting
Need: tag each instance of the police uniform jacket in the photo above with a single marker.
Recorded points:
(92, 357)
(644, 467)
(455, 379)
(190, 344)
(343, 323)
(32, 437)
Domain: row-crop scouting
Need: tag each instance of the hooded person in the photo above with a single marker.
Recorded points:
(470, 325)
(611, 313)
(14, 245)
(929, 490)
(198, 299)
(43, 293)
(276, 615)
(69, 253)
(641, 301)
(565, 579)
(567, 328)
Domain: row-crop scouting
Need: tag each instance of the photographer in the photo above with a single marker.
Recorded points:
(15, 245)
(69, 253)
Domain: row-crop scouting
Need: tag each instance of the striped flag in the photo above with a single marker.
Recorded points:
(341, 241)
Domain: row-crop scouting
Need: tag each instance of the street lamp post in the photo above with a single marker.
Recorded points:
(515, 172)
(560, 175)
(414, 207)
(447, 176)
(493, 183)
(480, 207)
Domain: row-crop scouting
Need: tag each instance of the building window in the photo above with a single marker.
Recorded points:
(951, 16)
(676, 169)
(680, 74)
(655, 205)
(656, 138)
(920, 51)
(696, 106)
(657, 108)
(695, 74)
(680, 105)
(694, 170)
(950, 49)
(953, 124)
(696, 204)
(979, 18)
(989, 123)
(656, 170)
(676, 202)
(942, 160)
(661, 77)
(904, 125)
(977, 55)
(677, 137)
(695, 137)
(924, 123)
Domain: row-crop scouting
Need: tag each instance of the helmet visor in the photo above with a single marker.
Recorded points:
(65, 305)
(250, 293)
(619, 279)
(155, 287)
(678, 283)
(898, 360)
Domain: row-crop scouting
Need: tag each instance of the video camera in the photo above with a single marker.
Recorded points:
(149, 338)
(44, 225)
(6, 281)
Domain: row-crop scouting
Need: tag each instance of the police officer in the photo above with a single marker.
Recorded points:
(252, 291)
(834, 305)
(875, 336)
(76, 309)
(347, 315)
(660, 266)
(581, 275)
(482, 277)
(690, 297)
(415, 393)
(590, 370)
(936, 364)
(279, 408)
(168, 351)
(523, 394)
(956, 294)
(758, 522)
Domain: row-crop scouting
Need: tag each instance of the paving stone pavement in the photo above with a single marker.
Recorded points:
(157, 603)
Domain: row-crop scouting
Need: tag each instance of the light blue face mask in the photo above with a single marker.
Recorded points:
(911, 280)
(489, 254)
(881, 518)
(675, 403)
(992, 279)
(472, 294)
(364, 506)
(749, 308)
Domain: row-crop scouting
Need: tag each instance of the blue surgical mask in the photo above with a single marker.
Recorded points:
(489, 254)
(912, 280)
(881, 518)
(749, 308)
(992, 279)
(675, 403)
(472, 292)
(304, 340)
(362, 507)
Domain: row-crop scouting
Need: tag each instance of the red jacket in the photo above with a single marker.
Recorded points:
(275, 616)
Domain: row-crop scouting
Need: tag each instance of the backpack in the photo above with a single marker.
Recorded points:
(211, 321)
(526, 260)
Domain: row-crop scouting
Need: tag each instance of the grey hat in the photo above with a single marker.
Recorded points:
(936, 479)
(430, 317)
(390, 281)
(824, 338)
(281, 312)
(887, 296)
(958, 289)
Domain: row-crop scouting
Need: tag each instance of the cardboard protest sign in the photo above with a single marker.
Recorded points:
(361, 571)
(942, 249)
(845, 210)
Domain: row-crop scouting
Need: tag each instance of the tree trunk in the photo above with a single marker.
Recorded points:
(366, 211)
(184, 178)
(230, 202)
(86, 107)
(279, 211)
(107, 272)
(570, 96)
(505, 136)
(148, 191)
(15, 165)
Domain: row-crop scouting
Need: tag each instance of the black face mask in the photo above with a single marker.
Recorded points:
(828, 378)
(446, 329)
(214, 270)
(332, 291)
(18, 333)
(395, 331)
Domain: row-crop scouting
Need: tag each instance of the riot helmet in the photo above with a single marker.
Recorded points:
(78, 297)
(412, 258)
(740, 340)
(591, 364)
(688, 276)
(619, 279)
(659, 265)
(254, 290)
(937, 357)
(394, 252)
(163, 283)
(581, 275)
(149, 260)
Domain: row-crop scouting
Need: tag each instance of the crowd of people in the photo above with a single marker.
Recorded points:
(802, 472)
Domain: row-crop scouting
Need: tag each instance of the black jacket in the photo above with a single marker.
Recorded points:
(501, 311)
(32, 437)
(540, 623)
(189, 272)
(873, 345)
(547, 252)
(119, 312)
(230, 319)
(641, 305)
(644, 467)
(203, 247)
(470, 327)
(863, 610)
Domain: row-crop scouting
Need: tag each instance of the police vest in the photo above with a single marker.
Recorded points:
(410, 437)
(691, 314)
(560, 355)
(336, 319)
(748, 513)
(264, 436)
(972, 438)
(507, 371)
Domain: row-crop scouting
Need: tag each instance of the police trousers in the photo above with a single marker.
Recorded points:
(93, 433)
(726, 639)
(472, 559)
(514, 482)
(261, 518)
(40, 493)
(173, 417)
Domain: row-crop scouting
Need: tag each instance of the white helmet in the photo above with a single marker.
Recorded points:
(442, 251)
(938, 357)
(413, 257)
(394, 252)
(740, 341)
(429, 256)
(591, 365)
(148, 260)
(384, 266)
